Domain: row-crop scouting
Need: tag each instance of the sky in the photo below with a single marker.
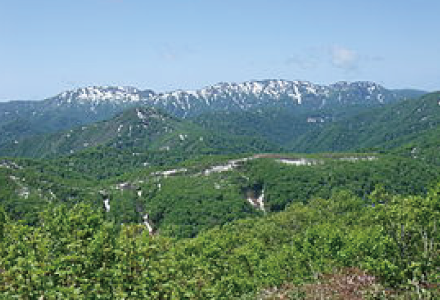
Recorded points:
(48, 46)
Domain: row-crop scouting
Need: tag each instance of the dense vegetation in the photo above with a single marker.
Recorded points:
(191, 200)
(389, 127)
(227, 221)
(184, 199)
(77, 253)
(137, 130)
(280, 126)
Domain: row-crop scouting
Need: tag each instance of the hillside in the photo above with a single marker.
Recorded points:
(278, 125)
(388, 127)
(137, 131)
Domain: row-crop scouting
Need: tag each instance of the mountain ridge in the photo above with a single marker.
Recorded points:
(240, 94)
(87, 105)
(276, 88)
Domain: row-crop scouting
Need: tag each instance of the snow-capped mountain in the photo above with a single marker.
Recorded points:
(232, 96)
(271, 93)
(237, 96)
(99, 95)
(90, 104)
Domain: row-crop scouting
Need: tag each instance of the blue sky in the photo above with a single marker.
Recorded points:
(48, 46)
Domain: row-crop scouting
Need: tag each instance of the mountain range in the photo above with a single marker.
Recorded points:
(20, 119)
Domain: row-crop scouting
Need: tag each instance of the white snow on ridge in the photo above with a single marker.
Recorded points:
(96, 94)
(235, 163)
(298, 94)
(170, 172)
(312, 162)
(298, 162)
(245, 95)
(355, 158)
(232, 164)
(239, 92)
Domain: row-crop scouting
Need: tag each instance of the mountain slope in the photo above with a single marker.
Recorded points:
(136, 131)
(29, 186)
(387, 127)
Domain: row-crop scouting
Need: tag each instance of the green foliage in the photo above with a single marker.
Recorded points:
(134, 132)
(2, 222)
(75, 253)
(285, 184)
(387, 127)
(183, 204)
(29, 187)
(412, 223)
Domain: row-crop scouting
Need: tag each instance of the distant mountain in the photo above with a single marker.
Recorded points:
(297, 95)
(20, 119)
(136, 130)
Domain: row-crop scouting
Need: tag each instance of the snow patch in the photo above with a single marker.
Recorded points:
(232, 164)
(107, 205)
(355, 159)
(298, 162)
(315, 120)
(147, 224)
(170, 172)
(298, 94)
(140, 115)
(259, 202)
(10, 165)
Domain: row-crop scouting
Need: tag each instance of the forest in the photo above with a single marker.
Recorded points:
(181, 209)
(388, 249)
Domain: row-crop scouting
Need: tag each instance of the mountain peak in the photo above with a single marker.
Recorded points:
(96, 94)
